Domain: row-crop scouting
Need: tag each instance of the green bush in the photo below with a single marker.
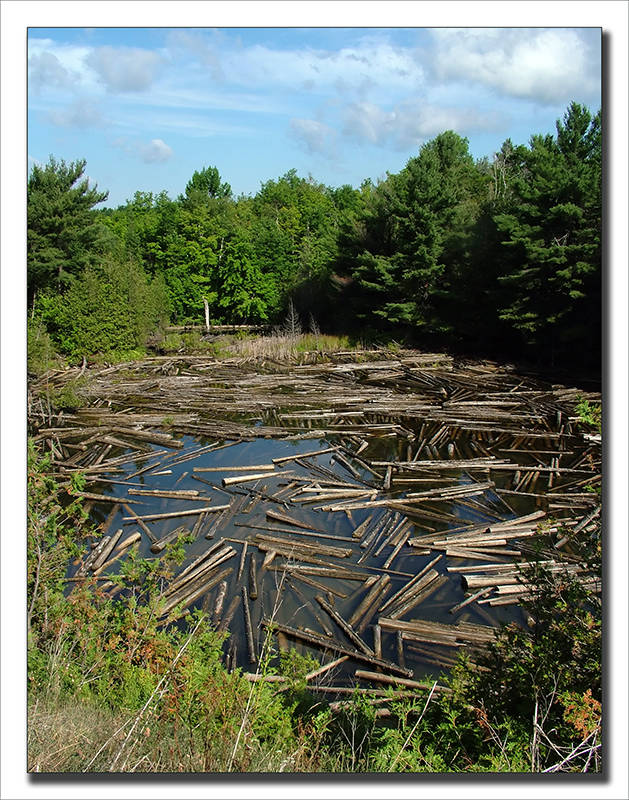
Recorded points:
(111, 309)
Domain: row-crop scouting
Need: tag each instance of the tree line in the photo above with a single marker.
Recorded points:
(500, 255)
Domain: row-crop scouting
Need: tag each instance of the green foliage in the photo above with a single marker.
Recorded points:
(551, 232)
(64, 235)
(40, 350)
(114, 307)
(589, 414)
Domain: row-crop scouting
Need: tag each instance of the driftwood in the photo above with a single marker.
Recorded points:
(327, 644)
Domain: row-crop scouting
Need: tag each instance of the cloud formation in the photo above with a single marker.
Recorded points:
(125, 69)
(45, 69)
(154, 152)
(81, 114)
(544, 65)
(409, 124)
(316, 136)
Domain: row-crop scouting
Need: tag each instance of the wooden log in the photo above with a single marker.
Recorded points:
(241, 565)
(248, 629)
(276, 515)
(196, 591)
(140, 522)
(253, 583)
(229, 614)
(220, 599)
(344, 626)
(471, 599)
(326, 644)
(325, 668)
(176, 495)
(256, 477)
(420, 597)
(130, 540)
(317, 585)
(172, 514)
(391, 680)
(160, 544)
(102, 498)
(247, 468)
(377, 641)
(283, 459)
(375, 593)
(107, 549)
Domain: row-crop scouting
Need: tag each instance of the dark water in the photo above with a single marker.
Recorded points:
(278, 598)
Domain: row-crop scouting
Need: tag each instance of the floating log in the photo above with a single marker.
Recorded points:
(247, 468)
(241, 565)
(253, 659)
(371, 600)
(276, 515)
(229, 614)
(327, 644)
(253, 583)
(344, 626)
(325, 668)
(256, 477)
(160, 544)
(172, 514)
(107, 549)
(130, 540)
(391, 680)
(195, 592)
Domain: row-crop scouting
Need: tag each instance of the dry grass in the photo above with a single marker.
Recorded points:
(285, 347)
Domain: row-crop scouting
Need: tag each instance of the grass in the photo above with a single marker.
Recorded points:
(290, 348)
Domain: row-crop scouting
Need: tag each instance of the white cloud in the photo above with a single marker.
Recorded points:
(409, 123)
(45, 69)
(547, 65)
(372, 63)
(81, 114)
(154, 152)
(125, 69)
(318, 137)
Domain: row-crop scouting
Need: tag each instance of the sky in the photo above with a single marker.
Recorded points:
(146, 107)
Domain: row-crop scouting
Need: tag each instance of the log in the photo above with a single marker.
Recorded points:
(471, 599)
(160, 544)
(172, 514)
(106, 551)
(256, 477)
(344, 626)
(220, 599)
(197, 591)
(241, 565)
(229, 614)
(253, 582)
(140, 522)
(248, 468)
(248, 629)
(325, 643)
(391, 680)
(325, 668)
(276, 515)
(130, 540)
(374, 595)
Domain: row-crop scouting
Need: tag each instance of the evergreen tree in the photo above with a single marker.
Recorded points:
(551, 237)
(64, 234)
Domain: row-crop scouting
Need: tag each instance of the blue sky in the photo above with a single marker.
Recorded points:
(146, 107)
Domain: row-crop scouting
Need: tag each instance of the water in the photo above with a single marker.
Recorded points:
(289, 600)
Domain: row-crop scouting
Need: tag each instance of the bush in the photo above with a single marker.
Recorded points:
(111, 308)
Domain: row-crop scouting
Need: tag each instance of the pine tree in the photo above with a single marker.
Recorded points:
(64, 234)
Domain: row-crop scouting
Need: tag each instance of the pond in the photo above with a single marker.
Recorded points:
(370, 515)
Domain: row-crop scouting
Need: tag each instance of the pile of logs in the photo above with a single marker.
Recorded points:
(426, 488)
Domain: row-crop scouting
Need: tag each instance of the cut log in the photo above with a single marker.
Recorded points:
(326, 644)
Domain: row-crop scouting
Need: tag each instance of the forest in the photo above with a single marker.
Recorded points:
(500, 256)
